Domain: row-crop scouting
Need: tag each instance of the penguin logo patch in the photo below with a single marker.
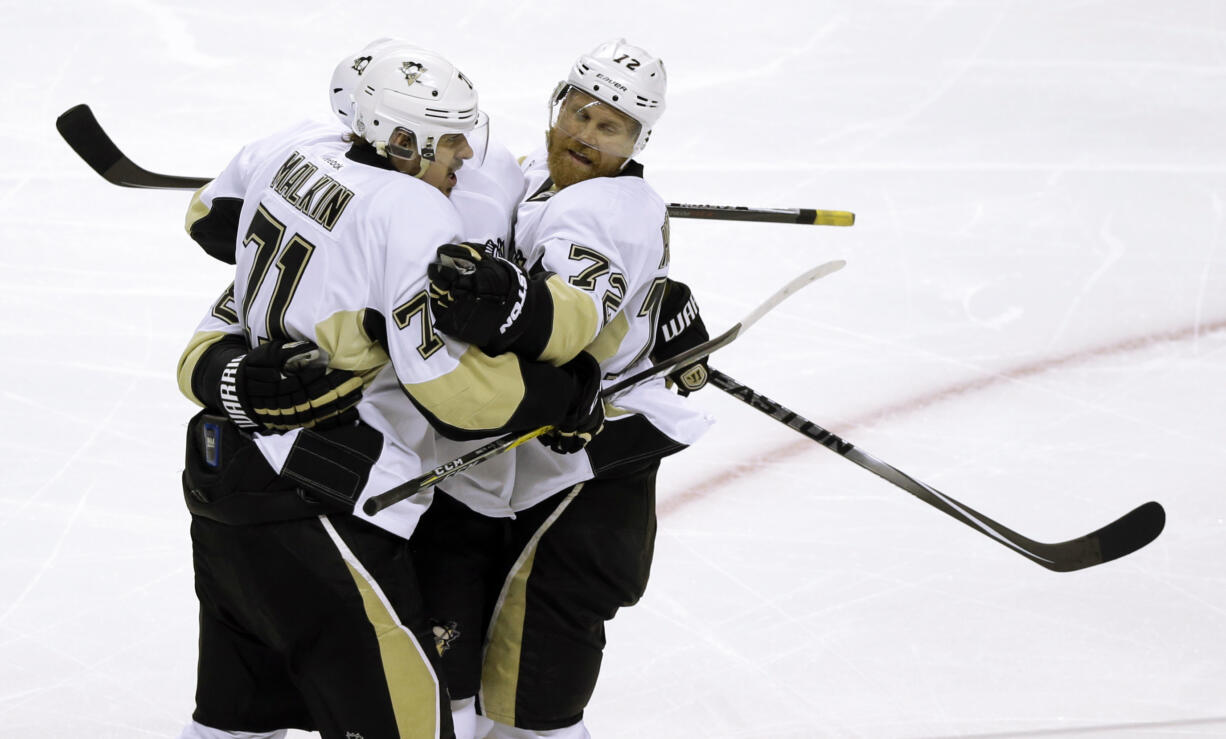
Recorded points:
(444, 635)
(411, 71)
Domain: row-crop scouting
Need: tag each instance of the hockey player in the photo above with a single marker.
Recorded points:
(310, 616)
(593, 236)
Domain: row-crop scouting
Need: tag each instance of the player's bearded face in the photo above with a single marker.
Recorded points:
(588, 139)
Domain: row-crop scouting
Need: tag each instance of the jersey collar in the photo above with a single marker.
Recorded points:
(363, 153)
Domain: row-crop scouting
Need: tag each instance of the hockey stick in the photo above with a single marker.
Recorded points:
(1123, 536)
(87, 138)
(505, 443)
(806, 216)
(84, 134)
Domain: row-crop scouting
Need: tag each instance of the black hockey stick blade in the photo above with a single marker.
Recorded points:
(1123, 536)
(1127, 534)
(84, 134)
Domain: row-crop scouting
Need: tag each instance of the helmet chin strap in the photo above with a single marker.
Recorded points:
(381, 150)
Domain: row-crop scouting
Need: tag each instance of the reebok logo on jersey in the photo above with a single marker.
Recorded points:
(681, 321)
(519, 303)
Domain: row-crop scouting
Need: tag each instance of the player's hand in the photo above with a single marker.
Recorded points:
(477, 297)
(283, 385)
(586, 416)
(681, 328)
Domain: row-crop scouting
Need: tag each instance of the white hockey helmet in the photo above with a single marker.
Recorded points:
(348, 75)
(623, 75)
(417, 90)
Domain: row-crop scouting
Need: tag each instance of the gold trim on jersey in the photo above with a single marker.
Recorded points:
(343, 336)
(609, 340)
(406, 669)
(196, 210)
(575, 321)
(613, 411)
(482, 392)
(500, 667)
(200, 343)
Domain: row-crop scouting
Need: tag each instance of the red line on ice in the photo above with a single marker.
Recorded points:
(802, 445)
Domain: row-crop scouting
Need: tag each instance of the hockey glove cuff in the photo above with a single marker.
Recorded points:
(586, 416)
(681, 328)
(286, 384)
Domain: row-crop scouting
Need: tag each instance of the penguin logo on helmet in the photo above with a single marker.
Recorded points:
(411, 71)
(360, 64)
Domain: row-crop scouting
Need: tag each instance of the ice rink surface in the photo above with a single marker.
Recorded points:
(1033, 320)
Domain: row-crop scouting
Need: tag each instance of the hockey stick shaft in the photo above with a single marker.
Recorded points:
(508, 442)
(80, 128)
(804, 216)
(1118, 538)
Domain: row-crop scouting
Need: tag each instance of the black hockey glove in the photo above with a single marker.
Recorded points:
(285, 384)
(586, 417)
(681, 328)
(477, 297)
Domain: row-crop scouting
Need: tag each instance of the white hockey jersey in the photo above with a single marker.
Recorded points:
(485, 197)
(334, 250)
(608, 239)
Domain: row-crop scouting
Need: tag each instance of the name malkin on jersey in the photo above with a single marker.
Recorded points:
(323, 202)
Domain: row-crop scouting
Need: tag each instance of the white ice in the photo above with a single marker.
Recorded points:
(1033, 320)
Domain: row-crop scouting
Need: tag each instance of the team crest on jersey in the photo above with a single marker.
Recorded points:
(360, 64)
(411, 71)
(444, 635)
